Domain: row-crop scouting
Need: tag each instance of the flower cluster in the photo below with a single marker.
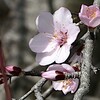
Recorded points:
(57, 32)
(57, 72)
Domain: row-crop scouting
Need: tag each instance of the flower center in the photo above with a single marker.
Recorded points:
(67, 83)
(91, 13)
(60, 37)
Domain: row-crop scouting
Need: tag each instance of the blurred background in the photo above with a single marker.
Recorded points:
(17, 27)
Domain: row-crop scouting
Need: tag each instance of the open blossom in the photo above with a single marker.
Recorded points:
(66, 85)
(56, 34)
(90, 15)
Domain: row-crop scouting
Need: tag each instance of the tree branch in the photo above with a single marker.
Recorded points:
(85, 69)
(97, 2)
(36, 88)
(48, 92)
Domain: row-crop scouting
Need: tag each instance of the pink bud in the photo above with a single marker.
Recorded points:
(15, 71)
(53, 75)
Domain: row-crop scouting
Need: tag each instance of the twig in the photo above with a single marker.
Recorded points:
(85, 70)
(36, 88)
(48, 92)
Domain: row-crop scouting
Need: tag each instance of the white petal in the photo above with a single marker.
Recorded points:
(44, 23)
(42, 43)
(73, 31)
(46, 58)
(63, 53)
(68, 68)
(57, 85)
(62, 17)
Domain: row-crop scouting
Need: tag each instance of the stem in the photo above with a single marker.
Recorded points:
(2, 67)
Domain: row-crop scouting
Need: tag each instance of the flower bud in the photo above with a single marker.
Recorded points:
(53, 75)
(15, 71)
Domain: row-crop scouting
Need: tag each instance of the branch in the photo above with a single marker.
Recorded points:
(97, 2)
(36, 88)
(85, 69)
(48, 92)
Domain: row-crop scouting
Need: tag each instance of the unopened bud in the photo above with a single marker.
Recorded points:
(53, 75)
(15, 71)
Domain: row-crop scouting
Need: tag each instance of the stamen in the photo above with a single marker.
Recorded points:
(67, 83)
(91, 13)
(60, 37)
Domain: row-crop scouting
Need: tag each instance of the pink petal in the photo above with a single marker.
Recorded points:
(63, 53)
(75, 85)
(46, 58)
(83, 15)
(95, 22)
(42, 43)
(68, 68)
(96, 7)
(57, 85)
(62, 17)
(83, 9)
(84, 19)
(57, 67)
(73, 32)
(44, 23)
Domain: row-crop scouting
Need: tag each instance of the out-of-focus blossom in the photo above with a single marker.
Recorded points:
(90, 15)
(13, 70)
(66, 85)
(56, 34)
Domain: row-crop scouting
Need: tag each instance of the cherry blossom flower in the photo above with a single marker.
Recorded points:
(56, 34)
(90, 15)
(66, 85)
